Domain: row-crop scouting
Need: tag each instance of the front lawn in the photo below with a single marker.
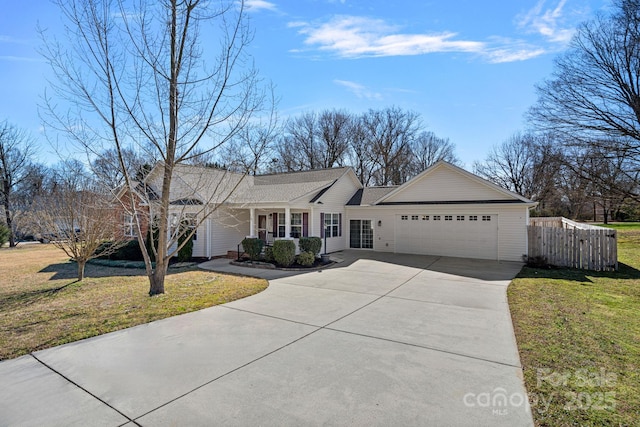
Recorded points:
(42, 305)
(578, 333)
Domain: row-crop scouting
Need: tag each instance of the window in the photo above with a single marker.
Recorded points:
(414, 217)
(332, 224)
(448, 217)
(129, 226)
(473, 217)
(486, 217)
(296, 225)
(404, 217)
(281, 225)
(425, 217)
(460, 218)
(436, 217)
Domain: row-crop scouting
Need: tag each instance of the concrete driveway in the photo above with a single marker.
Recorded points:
(380, 339)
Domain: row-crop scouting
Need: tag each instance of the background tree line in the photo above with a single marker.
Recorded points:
(385, 147)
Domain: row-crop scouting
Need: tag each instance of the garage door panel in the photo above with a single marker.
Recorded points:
(455, 237)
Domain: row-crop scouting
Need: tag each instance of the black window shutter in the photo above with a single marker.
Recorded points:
(275, 224)
(340, 224)
(322, 225)
(305, 224)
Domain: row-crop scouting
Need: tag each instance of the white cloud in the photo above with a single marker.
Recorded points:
(353, 36)
(359, 90)
(13, 40)
(549, 22)
(257, 5)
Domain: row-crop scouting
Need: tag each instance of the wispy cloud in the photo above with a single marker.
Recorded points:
(257, 5)
(13, 40)
(356, 37)
(359, 90)
(353, 36)
(549, 22)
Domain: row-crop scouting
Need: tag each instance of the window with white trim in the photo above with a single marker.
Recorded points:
(332, 224)
(281, 225)
(414, 217)
(448, 217)
(486, 217)
(436, 217)
(473, 217)
(425, 217)
(296, 225)
(129, 226)
(460, 218)
(404, 217)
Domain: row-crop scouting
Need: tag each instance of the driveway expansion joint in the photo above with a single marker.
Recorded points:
(70, 381)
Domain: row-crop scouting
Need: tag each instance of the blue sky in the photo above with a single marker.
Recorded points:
(467, 66)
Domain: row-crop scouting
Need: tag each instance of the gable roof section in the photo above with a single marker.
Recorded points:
(444, 183)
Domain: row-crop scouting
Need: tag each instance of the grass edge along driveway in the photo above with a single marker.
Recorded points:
(42, 305)
(578, 334)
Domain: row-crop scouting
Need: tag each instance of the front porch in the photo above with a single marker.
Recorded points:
(272, 223)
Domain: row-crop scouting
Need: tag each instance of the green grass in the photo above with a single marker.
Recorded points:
(578, 334)
(42, 305)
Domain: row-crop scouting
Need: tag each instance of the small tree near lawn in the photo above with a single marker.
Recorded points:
(78, 218)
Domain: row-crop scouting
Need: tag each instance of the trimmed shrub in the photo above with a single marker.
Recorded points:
(310, 244)
(129, 252)
(253, 247)
(185, 253)
(268, 254)
(284, 252)
(4, 235)
(306, 259)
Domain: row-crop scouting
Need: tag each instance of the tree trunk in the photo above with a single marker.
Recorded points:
(157, 278)
(81, 265)
(7, 211)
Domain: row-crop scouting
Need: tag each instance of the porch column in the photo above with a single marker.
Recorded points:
(252, 222)
(287, 222)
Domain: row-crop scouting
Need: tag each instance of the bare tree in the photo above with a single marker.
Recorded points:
(148, 73)
(524, 163)
(593, 96)
(390, 133)
(251, 151)
(106, 166)
(15, 158)
(77, 215)
(334, 127)
(428, 149)
(360, 154)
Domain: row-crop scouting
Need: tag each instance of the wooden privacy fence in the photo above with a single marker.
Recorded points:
(565, 243)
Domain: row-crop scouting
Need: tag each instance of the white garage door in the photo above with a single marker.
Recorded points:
(457, 235)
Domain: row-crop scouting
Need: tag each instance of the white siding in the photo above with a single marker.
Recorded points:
(228, 228)
(444, 183)
(334, 201)
(512, 220)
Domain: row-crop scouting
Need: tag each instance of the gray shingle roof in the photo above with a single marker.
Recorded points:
(315, 175)
(368, 195)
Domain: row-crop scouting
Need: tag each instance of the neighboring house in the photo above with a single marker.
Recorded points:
(443, 211)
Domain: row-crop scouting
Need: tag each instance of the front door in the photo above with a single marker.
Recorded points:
(360, 234)
(262, 227)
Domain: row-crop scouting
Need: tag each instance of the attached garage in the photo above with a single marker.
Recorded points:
(456, 234)
(444, 211)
